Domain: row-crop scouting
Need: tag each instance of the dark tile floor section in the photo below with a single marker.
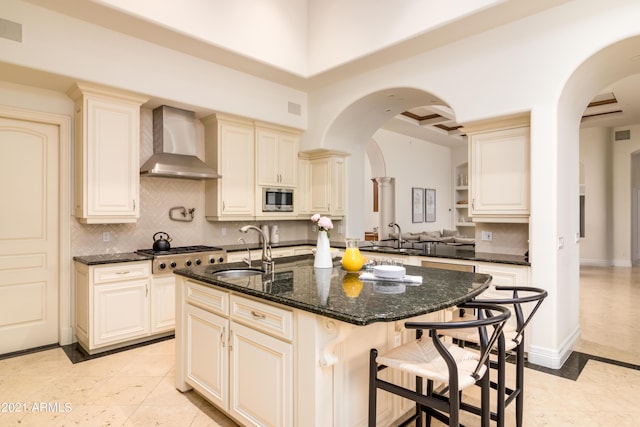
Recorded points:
(29, 351)
(77, 354)
(576, 362)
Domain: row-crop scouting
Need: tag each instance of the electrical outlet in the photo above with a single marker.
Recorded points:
(487, 236)
(106, 236)
(223, 231)
(339, 229)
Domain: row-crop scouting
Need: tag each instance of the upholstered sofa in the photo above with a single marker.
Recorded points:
(444, 236)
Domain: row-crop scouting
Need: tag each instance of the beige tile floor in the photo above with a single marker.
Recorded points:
(136, 387)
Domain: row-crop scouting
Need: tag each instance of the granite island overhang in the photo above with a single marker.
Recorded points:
(342, 296)
(292, 348)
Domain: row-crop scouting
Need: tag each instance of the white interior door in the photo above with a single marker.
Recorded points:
(28, 234)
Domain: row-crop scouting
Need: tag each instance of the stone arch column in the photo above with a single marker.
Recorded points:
(386, 208)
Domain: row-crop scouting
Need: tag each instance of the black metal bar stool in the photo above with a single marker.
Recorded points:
(441, 363)
(514, 297)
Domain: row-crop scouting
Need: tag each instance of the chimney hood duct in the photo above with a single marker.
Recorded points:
(174, 146)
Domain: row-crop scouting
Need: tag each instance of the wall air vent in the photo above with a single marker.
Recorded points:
(622, 135)
(10, 30)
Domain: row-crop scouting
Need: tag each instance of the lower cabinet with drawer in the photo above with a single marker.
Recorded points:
(113, 305)
(238, 353)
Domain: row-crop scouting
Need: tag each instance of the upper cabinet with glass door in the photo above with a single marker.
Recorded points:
(499, 170)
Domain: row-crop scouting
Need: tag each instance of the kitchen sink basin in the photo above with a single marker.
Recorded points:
(237, 272)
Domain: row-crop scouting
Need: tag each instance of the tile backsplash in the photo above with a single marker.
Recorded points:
(507, 238)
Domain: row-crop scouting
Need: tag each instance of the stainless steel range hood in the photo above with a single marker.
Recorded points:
(174, 146)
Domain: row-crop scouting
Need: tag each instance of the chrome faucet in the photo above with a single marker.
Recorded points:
(246, 260)
(393, 224)
(267, 263)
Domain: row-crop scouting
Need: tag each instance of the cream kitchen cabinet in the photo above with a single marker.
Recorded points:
(230, 148)
(261, 353)
(206, 325)
(120, 304)
(302, 197)
(107, 151)
(112, 304)
(327, 181)
(499, 170)
(162, 305)
(276, 156)
(238, 354)
(247, 356)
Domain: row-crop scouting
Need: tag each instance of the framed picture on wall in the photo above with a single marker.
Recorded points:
(417, 204)
(429, 205)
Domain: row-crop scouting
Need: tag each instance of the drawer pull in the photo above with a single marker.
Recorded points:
(258, 315)
(122, 272)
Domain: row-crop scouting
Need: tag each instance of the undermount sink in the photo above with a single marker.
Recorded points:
(237, 272)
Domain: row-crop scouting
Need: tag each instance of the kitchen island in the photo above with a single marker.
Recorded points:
(291, 348)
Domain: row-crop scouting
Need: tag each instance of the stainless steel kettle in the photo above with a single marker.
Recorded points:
(160, 243)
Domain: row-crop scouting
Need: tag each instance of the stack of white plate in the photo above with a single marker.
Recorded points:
(389, 271)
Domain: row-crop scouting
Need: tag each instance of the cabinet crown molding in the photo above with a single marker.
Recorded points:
(278, 128)
(80, 89)
(321, 153)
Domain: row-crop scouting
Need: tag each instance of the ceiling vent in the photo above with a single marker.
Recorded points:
(622, 135)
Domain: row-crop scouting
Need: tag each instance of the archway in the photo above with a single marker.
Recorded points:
(601, 69)
(352, 130)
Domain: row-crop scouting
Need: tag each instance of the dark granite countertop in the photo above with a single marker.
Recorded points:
(439, 250)
(111, 258)
(343, 296)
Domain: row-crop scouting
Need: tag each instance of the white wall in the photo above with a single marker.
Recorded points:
(622, 152)
(427, 166)
(271, 31)
(340, 31)
(72, 48)
(596, 162)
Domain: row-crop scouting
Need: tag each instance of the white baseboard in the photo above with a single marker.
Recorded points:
(66, 336)
(553, 358)
(595, 262)
(622, 263)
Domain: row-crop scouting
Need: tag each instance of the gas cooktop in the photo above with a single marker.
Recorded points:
(184, 257)
(179, 250)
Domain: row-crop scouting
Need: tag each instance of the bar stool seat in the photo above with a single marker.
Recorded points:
(514, 297)
(441, 363)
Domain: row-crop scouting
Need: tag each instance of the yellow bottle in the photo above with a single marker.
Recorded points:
(352, 260)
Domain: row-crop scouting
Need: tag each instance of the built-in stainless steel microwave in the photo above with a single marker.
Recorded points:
(277, 200)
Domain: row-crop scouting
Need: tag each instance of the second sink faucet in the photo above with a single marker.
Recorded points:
(393, 224)
(267, 263)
